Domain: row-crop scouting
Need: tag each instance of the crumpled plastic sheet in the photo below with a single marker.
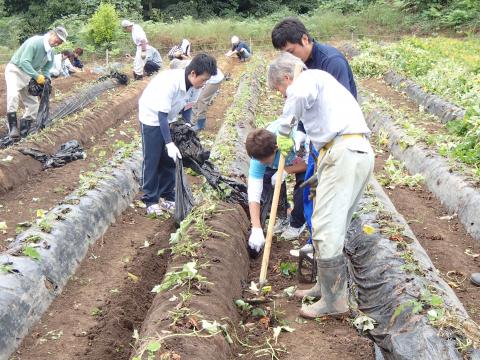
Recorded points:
(381, 284)
(72, 105)
(195, 157)
(184, 200)
(68, 152)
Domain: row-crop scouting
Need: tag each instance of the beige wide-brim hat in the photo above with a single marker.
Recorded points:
(61, 33)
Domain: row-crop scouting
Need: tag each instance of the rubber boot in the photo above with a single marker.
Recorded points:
(200, 125)
(12, 125)
(25, 125)
(475, 279)
(315, 291)
(333, 279)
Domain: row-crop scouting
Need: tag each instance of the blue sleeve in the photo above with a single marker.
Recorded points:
(257, 169)
(187, 115)
(164, 128)
(338, 68)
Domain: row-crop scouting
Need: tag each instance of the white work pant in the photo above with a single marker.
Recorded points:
(17, 90)
(139, 63)
(343, 174)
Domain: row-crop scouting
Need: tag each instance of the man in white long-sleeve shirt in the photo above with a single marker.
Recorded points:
(144, 50)
(335, 124)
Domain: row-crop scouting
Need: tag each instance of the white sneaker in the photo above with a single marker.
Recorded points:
(167, 205)
(154, 209)
(281, 225)
(291, 232)
(308, 248)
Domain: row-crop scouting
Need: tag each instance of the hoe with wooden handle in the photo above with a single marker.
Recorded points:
(273, 211)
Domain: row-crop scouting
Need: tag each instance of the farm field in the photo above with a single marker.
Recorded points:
(86, 273)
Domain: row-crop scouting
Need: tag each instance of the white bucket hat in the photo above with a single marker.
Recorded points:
(235, 40)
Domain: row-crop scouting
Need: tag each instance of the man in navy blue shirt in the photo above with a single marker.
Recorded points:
(291, 35)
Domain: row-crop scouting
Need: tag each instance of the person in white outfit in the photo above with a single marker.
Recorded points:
(144, 49)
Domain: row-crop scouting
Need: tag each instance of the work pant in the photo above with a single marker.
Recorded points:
(243, 54)
(201, 106)
(138, 62)
(17, 90)
(158, 170)
(343, 174)
(297, 218)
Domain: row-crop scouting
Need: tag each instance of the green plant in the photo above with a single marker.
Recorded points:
(96, 312)
(173, 279)
(395, 174)
(45, 225)
(427, 300)
(103, 26)
(31, 252)
(288, 268)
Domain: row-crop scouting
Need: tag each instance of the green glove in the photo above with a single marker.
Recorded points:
(285, 144)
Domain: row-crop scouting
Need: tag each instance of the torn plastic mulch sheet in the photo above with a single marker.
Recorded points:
(184, 200)
(68, 152)
(393, 281)
(195, 157)
(75, 103)
(43, 262)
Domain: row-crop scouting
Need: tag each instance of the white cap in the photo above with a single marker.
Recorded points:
(126, 23)
(235, 40)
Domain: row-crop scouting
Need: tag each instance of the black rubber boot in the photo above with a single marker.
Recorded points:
(12, 125)
(333, 279)
(25, 126)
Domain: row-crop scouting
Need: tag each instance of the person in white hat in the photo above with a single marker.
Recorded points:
(144, 50)
(32, 60)
(239, 48)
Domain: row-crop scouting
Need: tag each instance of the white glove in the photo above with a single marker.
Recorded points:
(229, 53)
(274, 177)
(256, 239)
(173, 151)
(299, 138)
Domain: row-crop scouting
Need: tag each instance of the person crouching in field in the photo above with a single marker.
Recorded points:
(169, 93)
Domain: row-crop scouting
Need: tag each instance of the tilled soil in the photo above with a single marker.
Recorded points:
(83, 127)
(110, 294)
(324, 338)
(443, 237)
(48, 187)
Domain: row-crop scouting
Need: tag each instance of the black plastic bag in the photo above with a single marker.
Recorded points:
(68, 152)
(184, 200)
(44, 107)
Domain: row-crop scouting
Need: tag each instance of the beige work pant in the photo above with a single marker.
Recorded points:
(201, 106)
(343, 174)
(17, 90)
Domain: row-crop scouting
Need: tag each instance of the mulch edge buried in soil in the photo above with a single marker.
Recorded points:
(452, 189)
(434, 104)
(91, 123)
(28, 290)
(378, 271)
